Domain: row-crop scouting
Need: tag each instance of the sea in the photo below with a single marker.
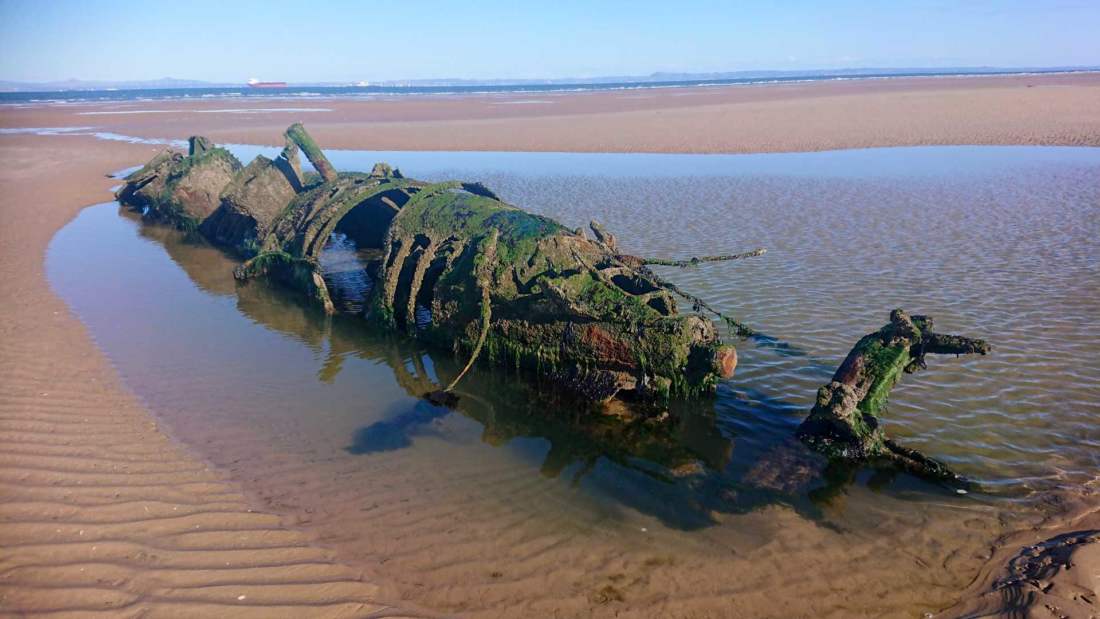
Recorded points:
(354, 91)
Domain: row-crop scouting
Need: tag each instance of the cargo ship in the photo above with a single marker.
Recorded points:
(255, 83)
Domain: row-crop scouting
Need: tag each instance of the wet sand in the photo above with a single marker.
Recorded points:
(1039, 110)
(100, 511)
(1051, 571)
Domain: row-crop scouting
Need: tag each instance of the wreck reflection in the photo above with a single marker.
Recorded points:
(680, 470)
(506, 408)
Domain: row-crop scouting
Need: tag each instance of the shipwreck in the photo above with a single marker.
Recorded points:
(454, 265)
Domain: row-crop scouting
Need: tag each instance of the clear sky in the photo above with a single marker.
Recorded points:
(333, 40)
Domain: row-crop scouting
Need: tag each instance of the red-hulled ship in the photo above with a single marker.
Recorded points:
(255, 83)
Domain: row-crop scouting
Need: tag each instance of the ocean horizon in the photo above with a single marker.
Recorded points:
(80, 95)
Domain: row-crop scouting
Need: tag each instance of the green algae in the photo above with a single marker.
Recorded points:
(297, 133)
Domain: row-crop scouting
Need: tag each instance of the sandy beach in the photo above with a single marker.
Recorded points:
(102, 512)
(1039, 110)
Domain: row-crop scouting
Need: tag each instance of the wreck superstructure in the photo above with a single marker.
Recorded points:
(845, 424)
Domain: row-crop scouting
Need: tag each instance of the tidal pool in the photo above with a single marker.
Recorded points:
(516, 505)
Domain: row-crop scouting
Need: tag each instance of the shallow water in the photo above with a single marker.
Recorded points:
(515, 503)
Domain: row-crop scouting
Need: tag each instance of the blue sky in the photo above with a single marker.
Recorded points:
(321, 40)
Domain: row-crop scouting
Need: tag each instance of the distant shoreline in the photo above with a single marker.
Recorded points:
(296, 91)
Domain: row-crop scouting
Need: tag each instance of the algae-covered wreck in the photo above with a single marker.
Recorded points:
(499, 282)
(844, 422)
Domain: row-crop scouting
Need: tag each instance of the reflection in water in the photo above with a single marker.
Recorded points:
(780, 347)
(687, 455)
(345, 273)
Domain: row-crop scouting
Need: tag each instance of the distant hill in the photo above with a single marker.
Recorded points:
(662, 77)
(75, 84)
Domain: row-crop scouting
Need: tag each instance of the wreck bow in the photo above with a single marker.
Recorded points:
(498, 282)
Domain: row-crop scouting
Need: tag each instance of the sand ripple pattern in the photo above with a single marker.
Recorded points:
(101, 515)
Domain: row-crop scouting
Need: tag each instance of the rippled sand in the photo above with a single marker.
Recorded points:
(101, 514)
(488, 512)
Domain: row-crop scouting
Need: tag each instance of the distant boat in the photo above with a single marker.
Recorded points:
(255, 83)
